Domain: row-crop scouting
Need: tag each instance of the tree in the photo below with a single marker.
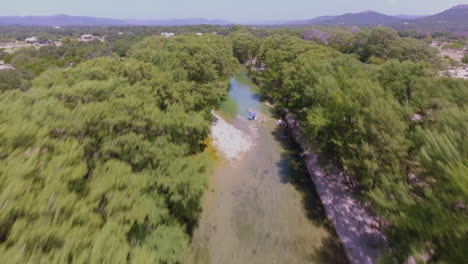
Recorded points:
(384, 43)
(101, 163)
(316, 35)
(9, 80)
(465, 59)
(244, 45)
(453, 63)
(400, 78)
(341, 40)
(374, 42)
(395, 128)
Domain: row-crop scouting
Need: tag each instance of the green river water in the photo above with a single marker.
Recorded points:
(262, 208)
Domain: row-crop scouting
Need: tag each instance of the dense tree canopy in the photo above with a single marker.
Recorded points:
(385, 43)
(245, 46)
(101, 162)
(101, 158)
(10, 79)
(396, 129)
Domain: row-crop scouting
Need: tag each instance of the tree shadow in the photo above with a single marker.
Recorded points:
(293, 171)
(331, 252)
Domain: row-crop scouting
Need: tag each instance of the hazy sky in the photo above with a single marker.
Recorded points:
(234, 10)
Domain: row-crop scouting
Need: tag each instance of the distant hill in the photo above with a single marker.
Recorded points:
(367, 18)
(65, 20)
(454, 19)
(409, 17)
(57, 20)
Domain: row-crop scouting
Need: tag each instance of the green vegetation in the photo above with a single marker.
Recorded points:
(385, 43)
(101, 162)
(453, 46)
(465, 59)
(244, 46)
(35, 61)
(395, 128)
(10, 80)
(101, 143)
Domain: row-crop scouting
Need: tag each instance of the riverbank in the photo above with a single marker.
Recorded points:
(357, 229)
(261, 208)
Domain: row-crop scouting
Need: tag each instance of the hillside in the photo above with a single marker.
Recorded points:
(454, 19)
(367, 18)
(65, 20)
(409, 17)
(57, 20)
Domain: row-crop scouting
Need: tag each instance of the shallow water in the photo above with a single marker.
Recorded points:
(241, 99)
(262, 208)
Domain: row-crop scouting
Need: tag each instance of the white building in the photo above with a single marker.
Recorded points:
(5, 66)
(167, 34)
(199, 34)
(90, 37)
(32, 40)
(86, 37)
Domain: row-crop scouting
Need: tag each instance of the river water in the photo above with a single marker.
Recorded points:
(263, 207)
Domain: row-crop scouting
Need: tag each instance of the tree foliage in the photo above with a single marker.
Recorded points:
(101, 163)
(396, 129)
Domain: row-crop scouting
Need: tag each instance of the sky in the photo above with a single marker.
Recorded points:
(232, 10)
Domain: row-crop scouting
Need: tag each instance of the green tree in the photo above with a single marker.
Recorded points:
(10, 79)
(101, 163)
(395, 128)
(245, 45)
(465, 59)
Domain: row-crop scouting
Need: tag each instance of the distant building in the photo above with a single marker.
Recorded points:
(5, 66)
(199, 34)
(32, 40)
(167, 34)
(90, 37)
(86, 37)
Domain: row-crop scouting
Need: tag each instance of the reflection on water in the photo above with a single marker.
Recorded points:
(262, 209)
(241, 100)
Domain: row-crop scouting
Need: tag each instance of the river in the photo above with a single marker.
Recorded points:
(262, 208)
